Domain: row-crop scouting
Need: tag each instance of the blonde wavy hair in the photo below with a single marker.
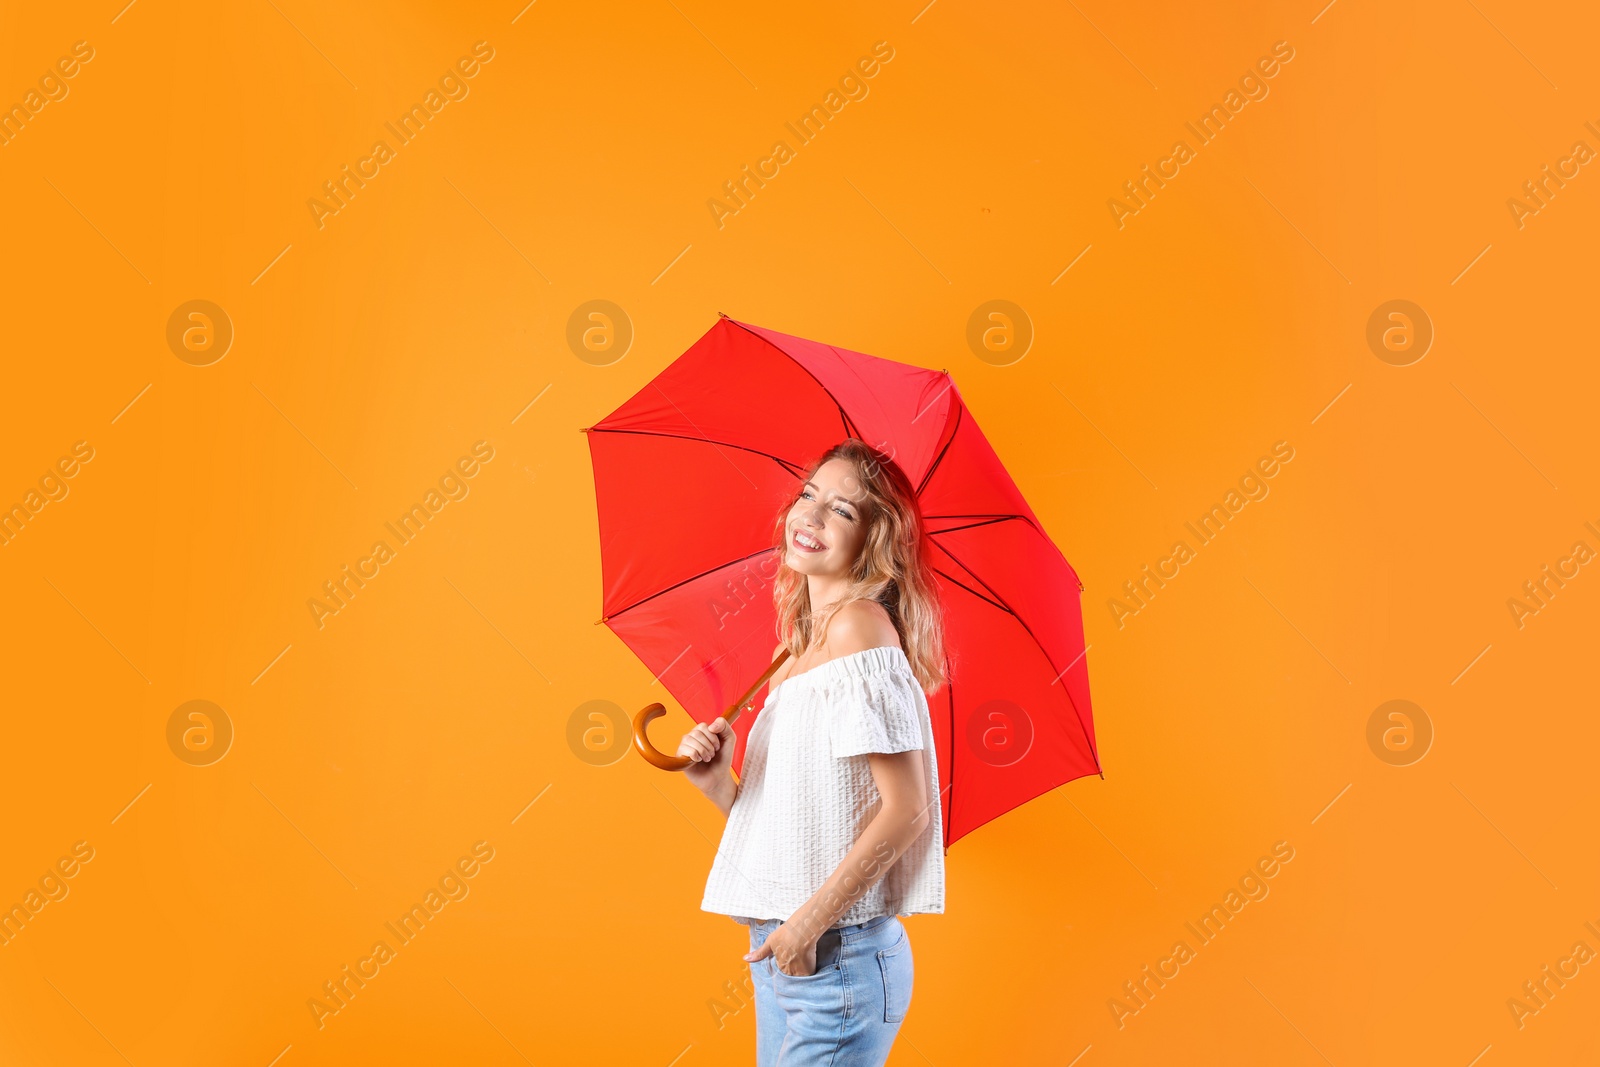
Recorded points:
(893, 567)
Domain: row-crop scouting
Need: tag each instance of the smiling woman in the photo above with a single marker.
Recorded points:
(835, 828)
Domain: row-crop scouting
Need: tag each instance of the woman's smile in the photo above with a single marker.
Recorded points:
(806, 542)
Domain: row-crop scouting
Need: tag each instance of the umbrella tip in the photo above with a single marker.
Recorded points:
(724, 314)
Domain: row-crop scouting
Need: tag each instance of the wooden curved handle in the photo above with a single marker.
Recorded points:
(641, 722)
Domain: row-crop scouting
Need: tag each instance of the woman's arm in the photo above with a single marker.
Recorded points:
(900, 778)
(722, 787)
(723, 795)
(709, 748)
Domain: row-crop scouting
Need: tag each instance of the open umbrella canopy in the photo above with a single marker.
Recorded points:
(690, 476)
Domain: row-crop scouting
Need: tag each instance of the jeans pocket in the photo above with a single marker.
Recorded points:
(827, 961)
(822, 971)
(894, 964)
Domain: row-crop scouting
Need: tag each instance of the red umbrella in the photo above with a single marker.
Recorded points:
(689, 476)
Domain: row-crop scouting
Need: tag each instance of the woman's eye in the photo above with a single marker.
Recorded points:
(805, 494)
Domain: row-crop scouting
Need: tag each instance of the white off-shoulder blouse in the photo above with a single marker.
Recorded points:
(807, 793)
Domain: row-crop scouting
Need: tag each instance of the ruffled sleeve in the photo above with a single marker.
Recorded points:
(877, 708)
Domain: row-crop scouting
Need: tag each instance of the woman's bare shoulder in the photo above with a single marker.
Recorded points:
(858, 626)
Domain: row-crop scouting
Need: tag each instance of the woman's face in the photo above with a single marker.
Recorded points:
(829, 512)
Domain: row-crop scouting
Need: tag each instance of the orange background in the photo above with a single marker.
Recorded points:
(1232, 711)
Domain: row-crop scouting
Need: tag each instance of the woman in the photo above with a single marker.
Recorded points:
(835, 828)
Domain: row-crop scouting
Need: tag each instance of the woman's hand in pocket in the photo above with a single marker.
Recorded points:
(791, 954)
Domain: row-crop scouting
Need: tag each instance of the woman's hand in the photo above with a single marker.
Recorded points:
(790, 953)
(710, 746)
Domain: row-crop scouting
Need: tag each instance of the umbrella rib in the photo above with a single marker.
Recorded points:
(788, 467)
(686, 581)
(990, 520)
(706, 668)
(948, 441)
(1000, 600)
(992, 516)
(953, 580)
(850, 429)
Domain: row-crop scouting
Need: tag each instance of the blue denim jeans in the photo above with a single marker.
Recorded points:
(848, 1012)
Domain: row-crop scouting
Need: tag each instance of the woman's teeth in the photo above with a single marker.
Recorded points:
(800, 543)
